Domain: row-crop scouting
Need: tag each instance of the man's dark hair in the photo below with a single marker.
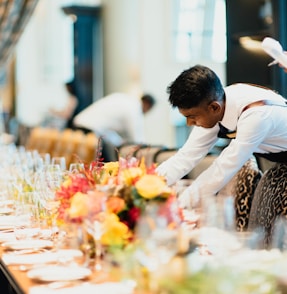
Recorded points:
(148, 99)
(193, 86)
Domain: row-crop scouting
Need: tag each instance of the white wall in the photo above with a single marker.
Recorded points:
(43, 63)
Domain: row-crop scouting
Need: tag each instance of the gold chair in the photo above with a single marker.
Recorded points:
(42, 139)
(70, 152)
(87, 148)
(62, 143)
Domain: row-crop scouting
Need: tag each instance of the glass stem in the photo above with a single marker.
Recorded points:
(98, 254)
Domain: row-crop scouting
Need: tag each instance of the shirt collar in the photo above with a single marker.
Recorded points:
(231, 114)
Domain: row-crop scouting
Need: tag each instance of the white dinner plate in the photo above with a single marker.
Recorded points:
(40, 258)
(7, 237)
(27, 244)
(6, 210)
(4, 227)
(7, 202)
(8, 222)
(59, 273)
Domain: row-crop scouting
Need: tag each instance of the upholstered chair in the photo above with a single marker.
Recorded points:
(270, 202)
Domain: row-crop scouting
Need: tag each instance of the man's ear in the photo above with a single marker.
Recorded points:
(214, 106)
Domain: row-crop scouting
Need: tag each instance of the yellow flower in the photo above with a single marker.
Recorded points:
(151, 186)
(79, 205)
(111, 168)
(128, 175)
(116, 233)
(110, 172)
(67, 182)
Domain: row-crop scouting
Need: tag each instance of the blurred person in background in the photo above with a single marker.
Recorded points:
(117, 118)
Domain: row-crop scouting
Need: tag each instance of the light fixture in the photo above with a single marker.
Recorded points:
(250, 43)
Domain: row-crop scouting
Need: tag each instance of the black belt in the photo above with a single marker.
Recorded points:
(280, 157)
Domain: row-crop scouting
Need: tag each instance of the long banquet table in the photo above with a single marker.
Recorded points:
(13, 280)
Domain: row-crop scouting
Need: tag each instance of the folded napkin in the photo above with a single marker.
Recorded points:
(87, 288)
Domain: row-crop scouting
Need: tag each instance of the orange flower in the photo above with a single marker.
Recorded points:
(79, 206)
(115, 204)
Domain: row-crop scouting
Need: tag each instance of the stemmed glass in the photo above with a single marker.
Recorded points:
(27, 213)
(59, 160)
(157, 232)
(95, 223)
(42, 160)
(48, 181)
(76, 167)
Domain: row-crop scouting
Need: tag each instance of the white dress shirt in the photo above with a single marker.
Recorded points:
(117, 113)
(261, 129)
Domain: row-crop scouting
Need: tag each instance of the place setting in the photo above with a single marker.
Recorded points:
(33, 244)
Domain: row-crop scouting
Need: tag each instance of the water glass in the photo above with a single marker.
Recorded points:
(27, 223)
(61, 161)
(76, 167)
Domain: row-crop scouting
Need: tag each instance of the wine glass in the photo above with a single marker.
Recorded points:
(42, 160)
(95, 223)
(27, 213)
(158, 235)
(76, 167)
(49, 180)
(60, 160)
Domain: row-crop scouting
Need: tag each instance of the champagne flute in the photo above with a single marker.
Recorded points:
(158, 235)
(95, 224)
(49, 181)
(76, 167)
(27, 213)
(60, 160)
(157, 230)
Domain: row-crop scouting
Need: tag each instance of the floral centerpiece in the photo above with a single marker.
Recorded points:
(127, 186)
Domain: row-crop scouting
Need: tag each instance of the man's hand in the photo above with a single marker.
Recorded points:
(184, 199)
(190, 197)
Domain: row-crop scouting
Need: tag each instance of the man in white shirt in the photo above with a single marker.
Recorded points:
(117, 118)
(255, 117)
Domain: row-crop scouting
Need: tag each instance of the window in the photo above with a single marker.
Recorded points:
(199, 30)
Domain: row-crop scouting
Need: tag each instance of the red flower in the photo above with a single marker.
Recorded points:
(132, 216)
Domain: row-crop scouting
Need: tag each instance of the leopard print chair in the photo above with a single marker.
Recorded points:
(270, 202)
(244, 185)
